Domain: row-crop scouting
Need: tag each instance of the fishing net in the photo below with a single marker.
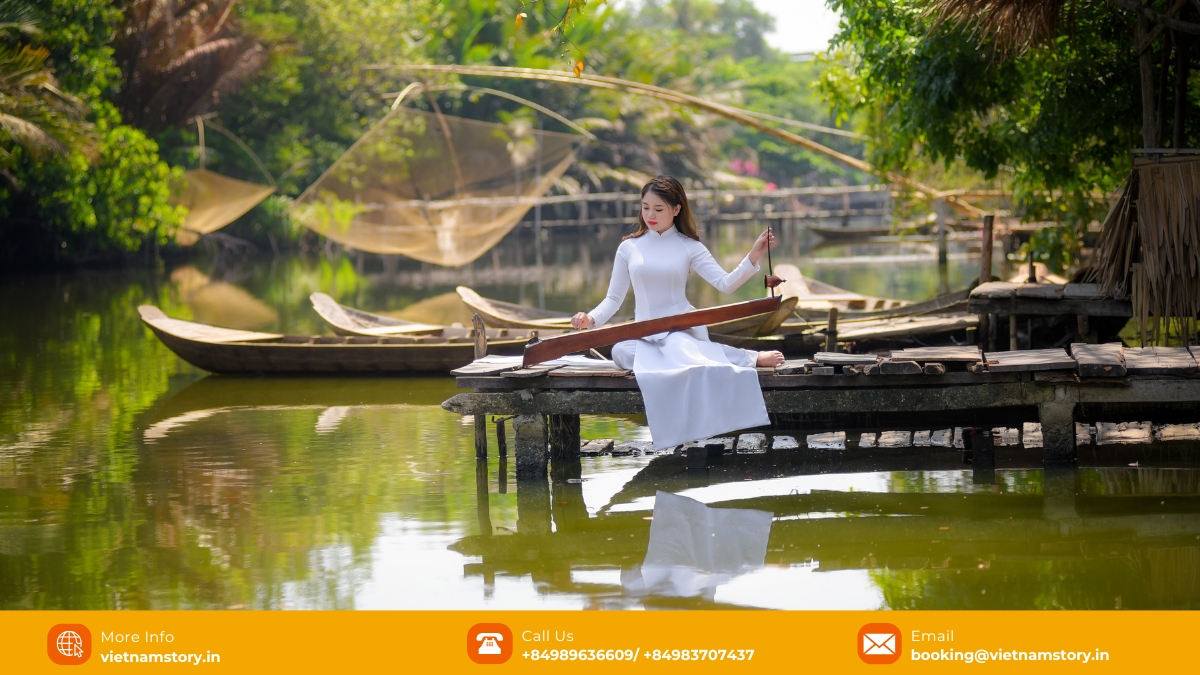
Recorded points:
(213, 201)
(436, 188)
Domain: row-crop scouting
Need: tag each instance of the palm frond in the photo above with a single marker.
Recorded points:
(34, 113)
(17, 16)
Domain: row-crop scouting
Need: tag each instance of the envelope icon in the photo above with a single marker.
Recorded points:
(879, 644)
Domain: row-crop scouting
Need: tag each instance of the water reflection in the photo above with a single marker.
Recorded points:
(935, 538)
(129, 479)
(694, 548)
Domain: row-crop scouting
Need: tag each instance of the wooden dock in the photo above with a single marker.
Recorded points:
(546, 404)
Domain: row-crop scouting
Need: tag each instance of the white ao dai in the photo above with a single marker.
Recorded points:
(693, 388)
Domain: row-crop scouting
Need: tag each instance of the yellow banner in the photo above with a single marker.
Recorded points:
(650, 641)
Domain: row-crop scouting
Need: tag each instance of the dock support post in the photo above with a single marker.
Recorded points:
(1058, 432)
(1059, 486)
(983, 457)
(530, 432)
(985, 274)
(480, 436)
(831, 330)
(482, 503)
(564, 437)
(533, 507)
(1012, 332)
(501, 438)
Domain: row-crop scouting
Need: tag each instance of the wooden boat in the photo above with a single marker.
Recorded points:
(499, 313)
(349, 321)
(816, 298)
(225, 350)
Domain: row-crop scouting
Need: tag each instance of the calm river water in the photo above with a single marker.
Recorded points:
(129, 479)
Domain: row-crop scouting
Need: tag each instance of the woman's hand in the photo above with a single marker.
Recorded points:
(582, 320)
(767, 238)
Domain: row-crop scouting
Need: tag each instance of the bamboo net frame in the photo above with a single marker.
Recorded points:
(728, 112)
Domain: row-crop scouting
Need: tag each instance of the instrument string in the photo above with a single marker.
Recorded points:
(770, 266)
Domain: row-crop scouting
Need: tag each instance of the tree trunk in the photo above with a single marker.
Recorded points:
(1183, 44)
(1160, 124)
(1146, 70)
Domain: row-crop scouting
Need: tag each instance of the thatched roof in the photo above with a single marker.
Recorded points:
(1149, 247)
(1011, 25)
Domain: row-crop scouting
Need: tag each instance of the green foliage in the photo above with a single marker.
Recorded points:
(317, 94)
(1057, 246)
(1059, 119)
(91, 210)
(78, 207)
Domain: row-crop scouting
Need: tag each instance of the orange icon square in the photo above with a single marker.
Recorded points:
(489, 643)
(879, 643)
(69, 644)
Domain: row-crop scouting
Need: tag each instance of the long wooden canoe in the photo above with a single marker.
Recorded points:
(225, 350)
(506, 314)
(817, 297)
(349, 321)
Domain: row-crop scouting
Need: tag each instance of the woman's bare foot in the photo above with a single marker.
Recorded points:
(769, 359)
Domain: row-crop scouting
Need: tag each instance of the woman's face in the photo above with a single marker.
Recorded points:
(657, 213)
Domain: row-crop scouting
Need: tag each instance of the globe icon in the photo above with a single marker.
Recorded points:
(70, 644)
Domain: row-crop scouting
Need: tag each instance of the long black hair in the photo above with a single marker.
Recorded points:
(671, 191)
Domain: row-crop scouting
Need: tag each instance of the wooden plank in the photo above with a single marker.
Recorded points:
(1043, 307)
(793, 367)
(904, 327)
(839, 359)
(1083, 291)
(1040, 291)
(994, 289)
(963, 354)
(767, 381)
(1107, 360)
(1160, 361)
(477, 368)
(532, 371)
(584, 371)
(1029, 360)
(893, 367)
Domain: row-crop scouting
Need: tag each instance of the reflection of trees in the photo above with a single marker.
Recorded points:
(1129, 549)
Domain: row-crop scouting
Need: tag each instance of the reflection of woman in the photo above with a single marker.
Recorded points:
(693, 388)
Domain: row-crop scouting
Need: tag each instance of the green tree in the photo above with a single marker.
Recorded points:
(73, 207)
(35, 114)
(1054, 97)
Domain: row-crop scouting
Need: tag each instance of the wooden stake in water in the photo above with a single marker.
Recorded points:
(985, 272)
(831, 331)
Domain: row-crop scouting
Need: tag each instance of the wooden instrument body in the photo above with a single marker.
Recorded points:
(538, 351)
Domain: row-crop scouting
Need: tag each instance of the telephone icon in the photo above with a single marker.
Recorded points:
(488, 642)
(491, 643)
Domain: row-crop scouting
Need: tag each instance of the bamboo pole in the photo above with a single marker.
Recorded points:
(728, 112)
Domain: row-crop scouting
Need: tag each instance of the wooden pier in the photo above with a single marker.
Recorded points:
(545, 404)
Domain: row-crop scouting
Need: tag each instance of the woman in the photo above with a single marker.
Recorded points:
(692, 387)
